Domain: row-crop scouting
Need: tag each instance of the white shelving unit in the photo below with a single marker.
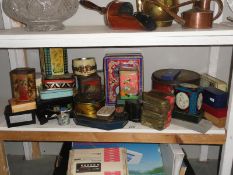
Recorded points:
(102, 36)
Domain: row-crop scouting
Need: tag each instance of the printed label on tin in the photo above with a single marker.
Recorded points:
(20, 118)
(57, 61)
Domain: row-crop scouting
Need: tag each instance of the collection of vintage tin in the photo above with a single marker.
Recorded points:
(176, 93)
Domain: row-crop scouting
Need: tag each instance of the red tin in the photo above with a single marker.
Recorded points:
(89, 87)
(23, 84)
(129, 83)
(61, 81)
(217, 112)
(165, 80)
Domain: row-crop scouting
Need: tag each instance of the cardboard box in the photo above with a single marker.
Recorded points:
(98, 161)
(143, 158)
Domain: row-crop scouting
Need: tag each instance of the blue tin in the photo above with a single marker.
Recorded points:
(189, 98)
(215, 97)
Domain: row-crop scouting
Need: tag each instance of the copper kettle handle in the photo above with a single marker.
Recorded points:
(92, 6)
(220, 8)
(166, 9)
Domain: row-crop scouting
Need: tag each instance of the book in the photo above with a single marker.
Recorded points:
(173, 155)
(98, 161)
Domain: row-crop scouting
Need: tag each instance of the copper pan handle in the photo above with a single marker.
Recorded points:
(166, 9)
(90, 5)
(220, 9)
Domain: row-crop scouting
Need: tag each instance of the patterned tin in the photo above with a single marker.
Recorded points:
(89, 87)
(84, 66)
(61, 81)
(112, 64)
(189, 98)
(53, 61)
(23, 84)
(129, 84)
(157, 109)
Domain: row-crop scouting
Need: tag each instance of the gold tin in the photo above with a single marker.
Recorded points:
(84, 66)
(88, 109)
(23, 84)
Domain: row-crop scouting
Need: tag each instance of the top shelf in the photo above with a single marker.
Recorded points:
(102, 36)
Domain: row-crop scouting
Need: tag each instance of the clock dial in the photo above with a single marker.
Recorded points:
(199, 101)
(182, 100)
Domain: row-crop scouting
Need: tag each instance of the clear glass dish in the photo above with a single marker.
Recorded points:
(40, 15)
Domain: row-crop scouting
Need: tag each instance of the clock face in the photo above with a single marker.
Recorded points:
(182, 100)
(199, 101)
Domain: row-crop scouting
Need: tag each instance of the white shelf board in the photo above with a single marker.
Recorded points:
(102, 36)
(131, 127)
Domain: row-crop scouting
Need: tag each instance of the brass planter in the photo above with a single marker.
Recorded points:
(162, 18)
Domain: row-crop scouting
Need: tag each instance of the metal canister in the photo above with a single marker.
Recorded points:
(165, 80)
(89, 87)
(84, 66)
(53, 61)
(88, 109)
(23, 84)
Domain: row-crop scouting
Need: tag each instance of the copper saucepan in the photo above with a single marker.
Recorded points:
(119, 15)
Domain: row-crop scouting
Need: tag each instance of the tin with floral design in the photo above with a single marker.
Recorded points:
(23, 84)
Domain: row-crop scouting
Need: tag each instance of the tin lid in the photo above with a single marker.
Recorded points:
(183, 76)
(23, 70)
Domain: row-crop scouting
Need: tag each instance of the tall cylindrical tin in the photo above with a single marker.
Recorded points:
(84, 66)
(23, 84)
(53, 61)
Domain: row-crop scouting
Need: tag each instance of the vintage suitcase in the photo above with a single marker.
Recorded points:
(112, 63)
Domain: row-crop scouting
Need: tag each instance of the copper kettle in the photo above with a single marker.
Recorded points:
(199, 17)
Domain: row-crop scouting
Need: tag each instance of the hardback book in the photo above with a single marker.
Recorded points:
(112, 64)
(98, 161)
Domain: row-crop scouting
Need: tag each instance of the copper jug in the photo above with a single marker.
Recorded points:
(200, 16)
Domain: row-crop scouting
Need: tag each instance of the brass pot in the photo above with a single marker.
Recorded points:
(161, 18)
